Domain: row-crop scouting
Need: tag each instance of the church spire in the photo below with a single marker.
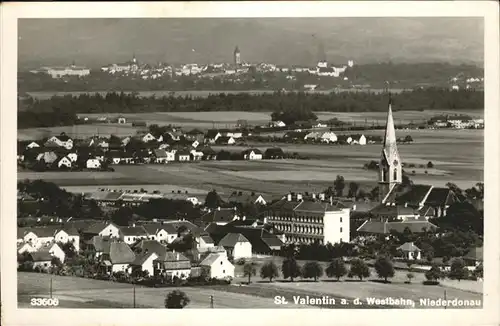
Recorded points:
(390, 173)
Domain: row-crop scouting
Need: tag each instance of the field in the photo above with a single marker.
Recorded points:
(457, 156)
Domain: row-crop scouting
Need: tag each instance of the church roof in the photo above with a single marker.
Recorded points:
(390, 150)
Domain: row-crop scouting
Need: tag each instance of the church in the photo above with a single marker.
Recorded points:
(402, 205)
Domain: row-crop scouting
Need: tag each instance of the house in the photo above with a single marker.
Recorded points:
(161, 232)
(212, 136)
(73, 157)
(219, 216)
(410, 251)
(25, 247)
(97, 246)
(173, 264)
(233, 134)
(62, 141)
(64, 162)
(161, 156)
(208, 153)
(32, 145)
(145, 246)
(195, 144)
(195, 135)
(47, 157)
(236, 245)
(238, 197)
(274, 153)
(93, 163)
(314, 135)
(383, 226)
(277, 124)
(362, 140)
(205, 241)
(41, 259)
(252, 154)
(144, 262)
(182, 155)
(218, 266)
(328, 137)
(68, 235)
(132, 234)
(147, 137)
(52, 249)
(196, 155)
(122, 120)
(225, 140)
(102, 229)
(118, 259)
(40, 236)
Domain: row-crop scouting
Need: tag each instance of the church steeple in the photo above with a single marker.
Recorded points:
(390, 171)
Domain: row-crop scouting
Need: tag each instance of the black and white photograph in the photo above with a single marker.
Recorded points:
(293, 162)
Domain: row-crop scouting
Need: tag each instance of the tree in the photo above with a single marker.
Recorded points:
(249, 270)
(359, 268)
(290, 269)
(478, 271)
(269, 270)
(434, 274)
(122, 216)
(339, 185)
(353, 189)
(213, 200)
(458, 270)
(384, 267)
(312, 269)
(176, 300)
(336, 269)
(410, 276)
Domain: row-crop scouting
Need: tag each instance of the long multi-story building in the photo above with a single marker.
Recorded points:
(307, 220)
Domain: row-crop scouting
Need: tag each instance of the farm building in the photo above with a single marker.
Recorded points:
(93, 163)
(182, 155)
(236, 245)
(173, 264)
(225, 140)
(252, 154)
(218, 266)
(274, 153)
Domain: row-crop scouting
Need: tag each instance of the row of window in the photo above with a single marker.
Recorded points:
(301, 219)
(299, 229)
(304, 240)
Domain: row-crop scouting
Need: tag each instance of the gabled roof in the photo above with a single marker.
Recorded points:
(250, 150)
(120, 253)
(394, 211)
(46, 231)
(170, 256)
(231, 239)
(223, 139)
(414, 196)
(242, 198)
(97, 227)
(440, 197)
(133, 230)
(208, 151)
(104, 195)
(212, 133)
(41, 256)
(207, 239)
(160, 153)
(210, 259)
(318, 207)
(141, 258)
(222, 215)
(151, 246)
(408, 247)
(384, 227)
(101, 244)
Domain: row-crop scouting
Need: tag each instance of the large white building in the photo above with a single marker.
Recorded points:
(58, 72)
(310, 220)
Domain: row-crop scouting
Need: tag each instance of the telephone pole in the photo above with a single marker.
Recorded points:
(211, 301)
(51, 287)
(445, 298)
(134, 295)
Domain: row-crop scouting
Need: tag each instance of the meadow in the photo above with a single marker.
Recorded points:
(457, 156)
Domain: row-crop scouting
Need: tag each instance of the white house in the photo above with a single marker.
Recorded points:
(144, 262)
(195, 144)
(93, 163)
(328, 137)
(148, 137)
(25, 247)
(236, 245)
(64, 161)
(349, 140)
(32, 145)
(62, 140)
(132, 234)
(234, 134)
(72, 156)
(119, 257)
(173, 264)
(410, 251)
(277, 124)
(163, 233)
(218, 266)
(197, 155)
(252, 154)
(54, 250)
(103, 230)
(362, 140)
(205, 241)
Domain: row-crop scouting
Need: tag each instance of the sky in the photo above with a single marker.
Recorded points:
(298, 41)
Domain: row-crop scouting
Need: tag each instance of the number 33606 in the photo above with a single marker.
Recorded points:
(44, 302)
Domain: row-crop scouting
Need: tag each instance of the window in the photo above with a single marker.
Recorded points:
(223, 271)
(221, 263)
(395, 174)
(340, 239)
(341, 229)
(341, 220)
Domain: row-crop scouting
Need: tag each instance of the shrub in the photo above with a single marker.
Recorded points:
(241, 261)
